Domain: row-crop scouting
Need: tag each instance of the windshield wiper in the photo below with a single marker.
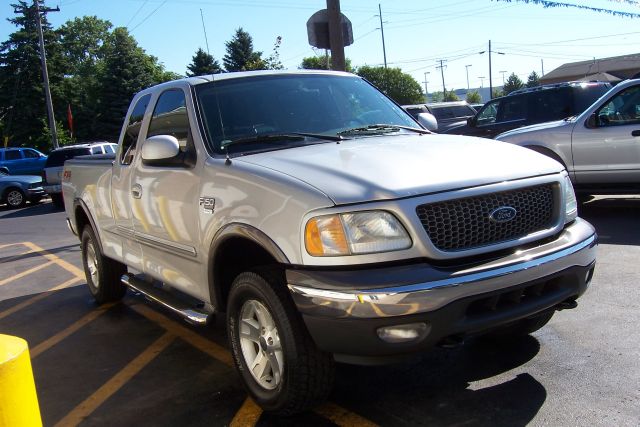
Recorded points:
(266, 137)
(379, 128)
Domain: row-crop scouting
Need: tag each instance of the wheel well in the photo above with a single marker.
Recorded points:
(6, 191)
(5, 170)
(81, 220)
(547, 152)
(232, 257)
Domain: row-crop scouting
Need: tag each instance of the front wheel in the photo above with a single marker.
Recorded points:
(16, 198)
(282, 369)
(103, 274)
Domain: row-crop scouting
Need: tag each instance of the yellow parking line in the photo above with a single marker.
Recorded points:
(51, 257)
(37, 298)
(342, 417)
(6, 245)
(25, 273)
(50, 342)
(212, 349)
(108, 389)
(248, 414)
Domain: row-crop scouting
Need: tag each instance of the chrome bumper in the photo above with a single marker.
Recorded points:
(574, 247)
(53, 189)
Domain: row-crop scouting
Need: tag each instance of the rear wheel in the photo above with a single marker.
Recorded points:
(57, 200)
(15, 198)
(282, 369)
(103, 274)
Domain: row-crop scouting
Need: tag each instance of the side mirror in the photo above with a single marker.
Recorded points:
(471, 121)
(429, 121)
(160, 147)
(592, 121)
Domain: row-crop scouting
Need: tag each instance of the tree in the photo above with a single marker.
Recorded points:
(399, 86)
(473, 97)
(533, 80)
(320, 63)
(497, 93)
(451, 96)
(125, 70)
(272, 62)
(512, 83)
(22, 102)
(240, 54)
(203, 63)
(436, 96)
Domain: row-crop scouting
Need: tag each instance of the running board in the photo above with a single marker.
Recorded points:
(191, 314)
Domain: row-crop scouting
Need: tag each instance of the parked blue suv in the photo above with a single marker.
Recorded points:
(21, 161)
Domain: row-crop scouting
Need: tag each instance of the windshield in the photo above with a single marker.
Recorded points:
(286, 104)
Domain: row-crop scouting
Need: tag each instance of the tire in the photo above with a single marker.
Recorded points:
(15, 198)
(306, 373)
(522, 327)
(102, 273)
(57, 200)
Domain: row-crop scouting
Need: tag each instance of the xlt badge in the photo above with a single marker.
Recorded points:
(208, 204)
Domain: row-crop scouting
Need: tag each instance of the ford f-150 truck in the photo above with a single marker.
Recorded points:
(325, 223)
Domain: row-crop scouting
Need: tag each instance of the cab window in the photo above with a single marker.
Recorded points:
(488, 114)
(130, 139)
(30, 154)
(622, 109)
(12, 155)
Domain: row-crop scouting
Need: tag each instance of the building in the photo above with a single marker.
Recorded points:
(613, 70)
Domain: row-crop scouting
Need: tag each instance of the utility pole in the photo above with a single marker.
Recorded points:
(384, 50)
(444, 89)
(426, 91)
(467, 68)
(45, 73)
(336, 41)
(490, 79)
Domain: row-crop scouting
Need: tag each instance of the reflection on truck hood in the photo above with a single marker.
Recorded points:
(539, 126)
(389, 167)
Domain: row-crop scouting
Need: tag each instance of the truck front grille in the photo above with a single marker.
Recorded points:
(462, 224)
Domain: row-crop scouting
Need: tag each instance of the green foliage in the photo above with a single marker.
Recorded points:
(320, 63)
(436, 97)
(512, 83)
(203, 63)
(240, 54)
(497, 93)
(451, 96)
(473, 97)
(44, 142)
(272, 62)
(399, 86)
(533, 80)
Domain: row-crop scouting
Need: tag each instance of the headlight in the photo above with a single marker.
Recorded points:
(35, 185)
(570, 202)
(354, 234)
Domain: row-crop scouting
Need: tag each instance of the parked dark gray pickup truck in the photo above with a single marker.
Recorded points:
(326, 224)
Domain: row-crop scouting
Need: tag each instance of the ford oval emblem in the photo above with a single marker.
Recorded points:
(503, 214)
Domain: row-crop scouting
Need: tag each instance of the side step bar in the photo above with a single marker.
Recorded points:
(191, 314)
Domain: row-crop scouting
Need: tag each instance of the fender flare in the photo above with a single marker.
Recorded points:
(79, 203)
(245, 231)
(546, 152)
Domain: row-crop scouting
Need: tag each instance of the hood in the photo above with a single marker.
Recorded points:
(24, 179)
(390, 167)
(540, 126)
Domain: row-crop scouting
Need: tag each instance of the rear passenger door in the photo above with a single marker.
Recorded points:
(13, 161)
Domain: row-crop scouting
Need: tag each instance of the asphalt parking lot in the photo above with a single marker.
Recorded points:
(132, 363)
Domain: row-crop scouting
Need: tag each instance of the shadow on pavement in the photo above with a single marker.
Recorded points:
(439, 391)
(69, 248)
(42, 208)
(615, 219)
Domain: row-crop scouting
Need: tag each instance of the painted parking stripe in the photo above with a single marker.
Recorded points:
(55, 339)
(209, 347)
(248, 414)
(38, 297)
(51, 257)
(25, 273)
(108, 389)
(342, 417)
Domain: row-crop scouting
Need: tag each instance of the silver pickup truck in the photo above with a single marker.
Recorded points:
(326, 224)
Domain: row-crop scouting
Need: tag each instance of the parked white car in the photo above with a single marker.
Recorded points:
(600, 148)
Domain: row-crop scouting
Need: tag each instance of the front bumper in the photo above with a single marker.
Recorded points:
(343, 309)
(35, 193)
(53, 189)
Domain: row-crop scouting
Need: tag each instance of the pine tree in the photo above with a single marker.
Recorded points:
(240, 54)
(533, 80)
(22, 102)
(203, 63)
(512, 83)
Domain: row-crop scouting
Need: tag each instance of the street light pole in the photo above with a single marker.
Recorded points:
(426, 91)
(467, 68)
(502, 72)
(481, 81)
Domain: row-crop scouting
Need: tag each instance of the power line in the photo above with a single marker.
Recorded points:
(137, 12)
(149, 15)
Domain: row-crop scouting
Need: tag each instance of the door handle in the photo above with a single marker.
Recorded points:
(136, 191)
(635, 132)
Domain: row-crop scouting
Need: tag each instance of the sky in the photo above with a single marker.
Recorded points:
(524, 37)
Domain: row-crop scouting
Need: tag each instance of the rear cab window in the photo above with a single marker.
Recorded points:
(58, 157)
